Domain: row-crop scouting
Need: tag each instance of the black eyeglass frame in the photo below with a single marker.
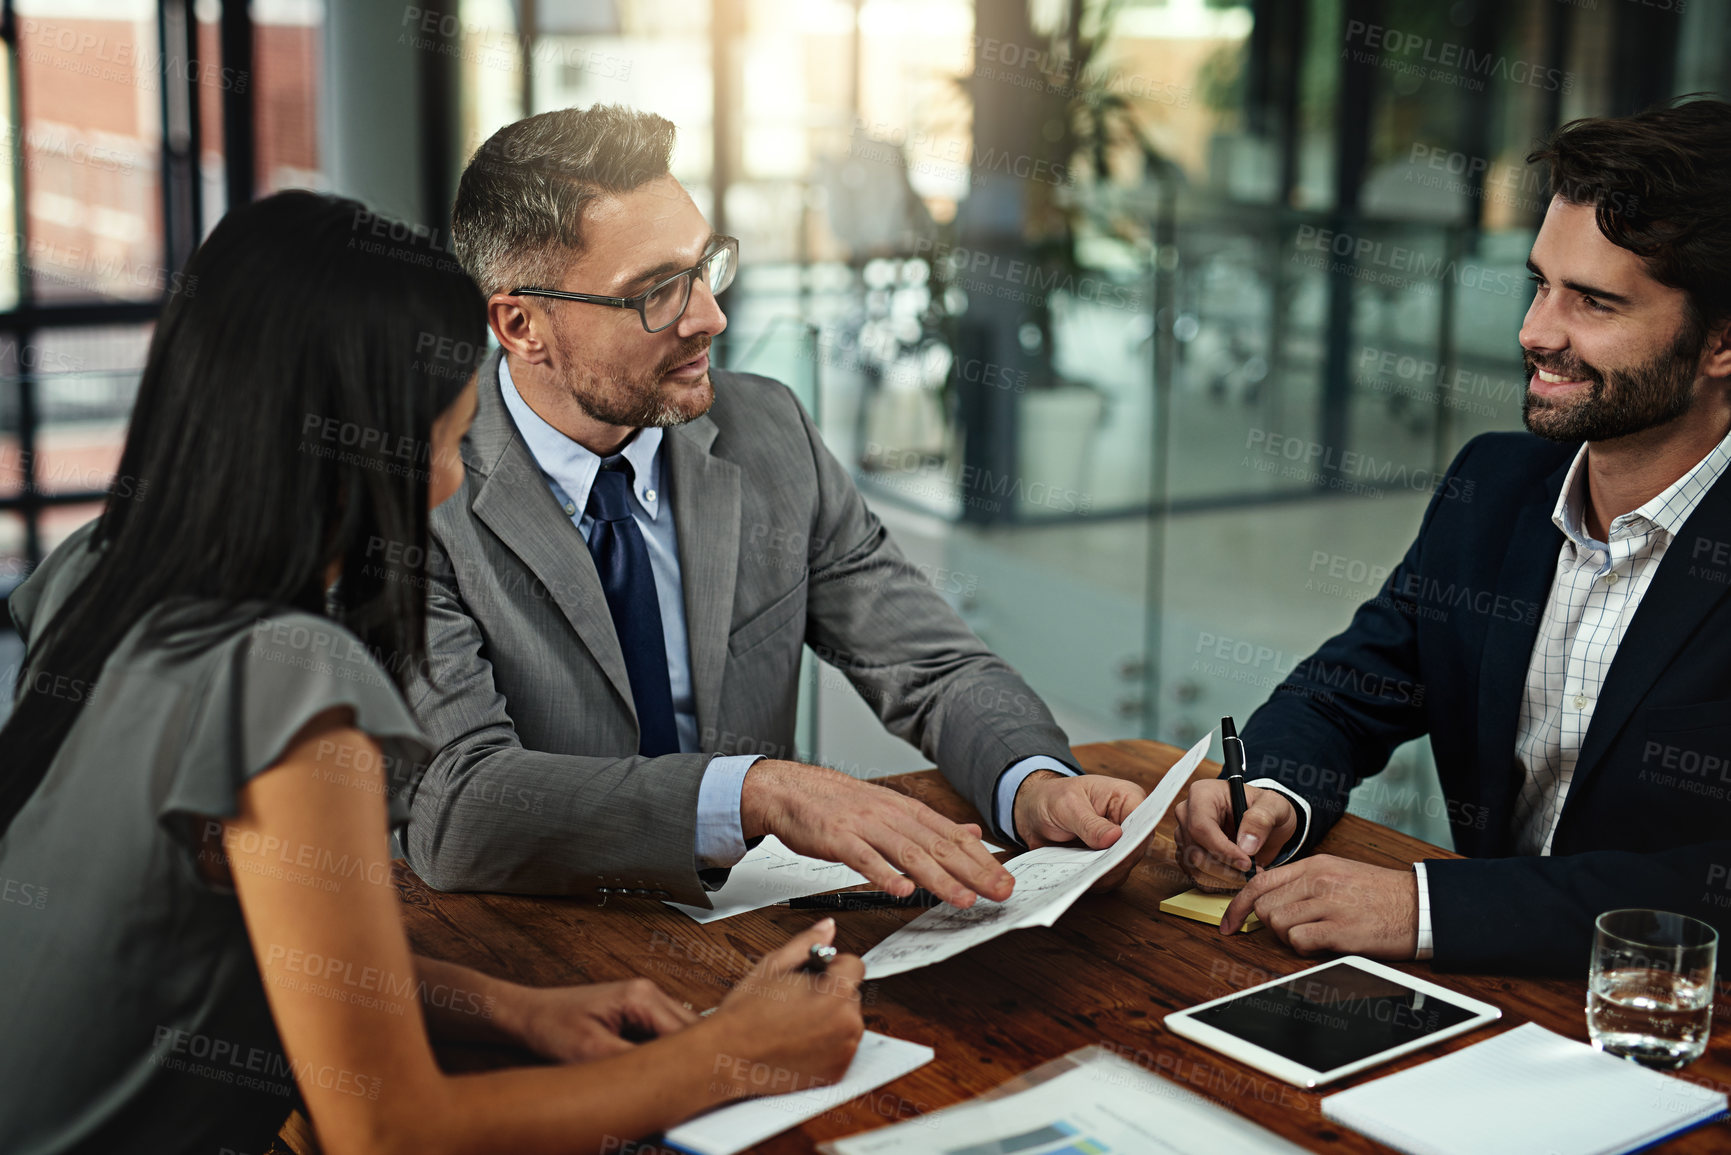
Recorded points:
(723, 245)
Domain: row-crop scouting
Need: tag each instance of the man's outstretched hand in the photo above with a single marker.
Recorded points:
(896, 842)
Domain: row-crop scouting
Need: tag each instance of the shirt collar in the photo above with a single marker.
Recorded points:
(1570, 502)
(1668, 510)
(570, 466)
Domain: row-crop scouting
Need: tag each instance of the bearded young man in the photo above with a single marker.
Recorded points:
(642, 548)
(1560, 628)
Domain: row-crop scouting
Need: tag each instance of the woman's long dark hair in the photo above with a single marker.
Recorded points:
(283, 423)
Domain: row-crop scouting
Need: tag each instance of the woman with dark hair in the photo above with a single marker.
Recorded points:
(209, 738)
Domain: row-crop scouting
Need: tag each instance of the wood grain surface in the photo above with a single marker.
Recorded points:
(1108, 973)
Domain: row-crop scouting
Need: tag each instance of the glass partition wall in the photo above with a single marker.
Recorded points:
(1149, 328)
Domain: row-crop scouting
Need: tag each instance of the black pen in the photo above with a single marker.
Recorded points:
(862, 900)
(1233, 772)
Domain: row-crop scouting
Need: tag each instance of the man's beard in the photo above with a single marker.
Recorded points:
(639, 402)
(1617, 402)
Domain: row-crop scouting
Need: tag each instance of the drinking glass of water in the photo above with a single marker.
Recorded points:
(1650, 989)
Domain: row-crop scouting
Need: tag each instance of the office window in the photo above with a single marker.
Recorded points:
(287, 60)
(91, 134)
(118, 155)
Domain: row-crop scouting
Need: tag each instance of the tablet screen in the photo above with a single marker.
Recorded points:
(1331, 1017)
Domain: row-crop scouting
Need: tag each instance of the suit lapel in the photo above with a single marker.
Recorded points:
(515, 503)
(1528, 571)
(706, 511)
(1670, 611)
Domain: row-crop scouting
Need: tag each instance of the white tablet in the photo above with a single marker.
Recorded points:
(1330, 1021)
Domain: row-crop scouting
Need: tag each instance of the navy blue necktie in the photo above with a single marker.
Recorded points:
(622, 561)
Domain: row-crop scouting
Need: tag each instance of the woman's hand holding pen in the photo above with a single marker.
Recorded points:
(787, 1028)
(1208, 854)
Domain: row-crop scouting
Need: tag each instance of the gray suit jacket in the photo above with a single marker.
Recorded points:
(537, 786)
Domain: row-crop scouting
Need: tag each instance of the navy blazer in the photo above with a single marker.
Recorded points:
(1443, 651)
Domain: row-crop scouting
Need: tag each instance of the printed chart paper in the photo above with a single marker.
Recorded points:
(1048, 881)
(1107, 1106)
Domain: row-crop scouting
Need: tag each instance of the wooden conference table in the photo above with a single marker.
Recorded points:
(1107, 973)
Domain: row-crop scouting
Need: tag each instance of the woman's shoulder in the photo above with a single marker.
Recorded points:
(39, 596)
(254, 679)
(271, 669)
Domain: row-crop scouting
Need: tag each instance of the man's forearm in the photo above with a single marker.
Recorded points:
(517, 821)
(907, 652)
(1289, 740)
(1535, 912)
(970, 713)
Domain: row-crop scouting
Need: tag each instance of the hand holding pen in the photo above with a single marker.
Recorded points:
(797, 1011)
(1232, 754)
(1227, 828)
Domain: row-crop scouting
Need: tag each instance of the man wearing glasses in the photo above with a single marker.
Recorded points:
(643, 545)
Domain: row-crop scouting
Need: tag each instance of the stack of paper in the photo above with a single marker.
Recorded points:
(1526, 1090)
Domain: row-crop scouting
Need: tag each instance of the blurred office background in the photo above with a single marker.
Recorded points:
(1147, 326)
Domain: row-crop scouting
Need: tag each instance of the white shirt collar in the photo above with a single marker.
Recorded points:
(1667, 510)
(570, 466)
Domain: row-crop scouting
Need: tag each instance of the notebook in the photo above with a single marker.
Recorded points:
(1523, 1091)
(879, 1060)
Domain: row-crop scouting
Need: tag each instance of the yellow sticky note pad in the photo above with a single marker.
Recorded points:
(1205, 907)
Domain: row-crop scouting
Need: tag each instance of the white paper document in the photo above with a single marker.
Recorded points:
(1048, 881)
(879, 1060)
(1108, 1105)
(771, 873)
(1523, 1091)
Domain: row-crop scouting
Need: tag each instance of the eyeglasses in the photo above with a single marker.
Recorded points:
(665, 302)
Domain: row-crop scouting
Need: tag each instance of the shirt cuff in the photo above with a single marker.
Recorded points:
(1299, 804)
(1010, 781)
(1426, 945)
(720, 834)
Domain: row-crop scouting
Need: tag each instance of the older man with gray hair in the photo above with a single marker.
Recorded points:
(642, 548)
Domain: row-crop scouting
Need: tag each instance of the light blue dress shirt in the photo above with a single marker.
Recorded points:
(569, 470)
